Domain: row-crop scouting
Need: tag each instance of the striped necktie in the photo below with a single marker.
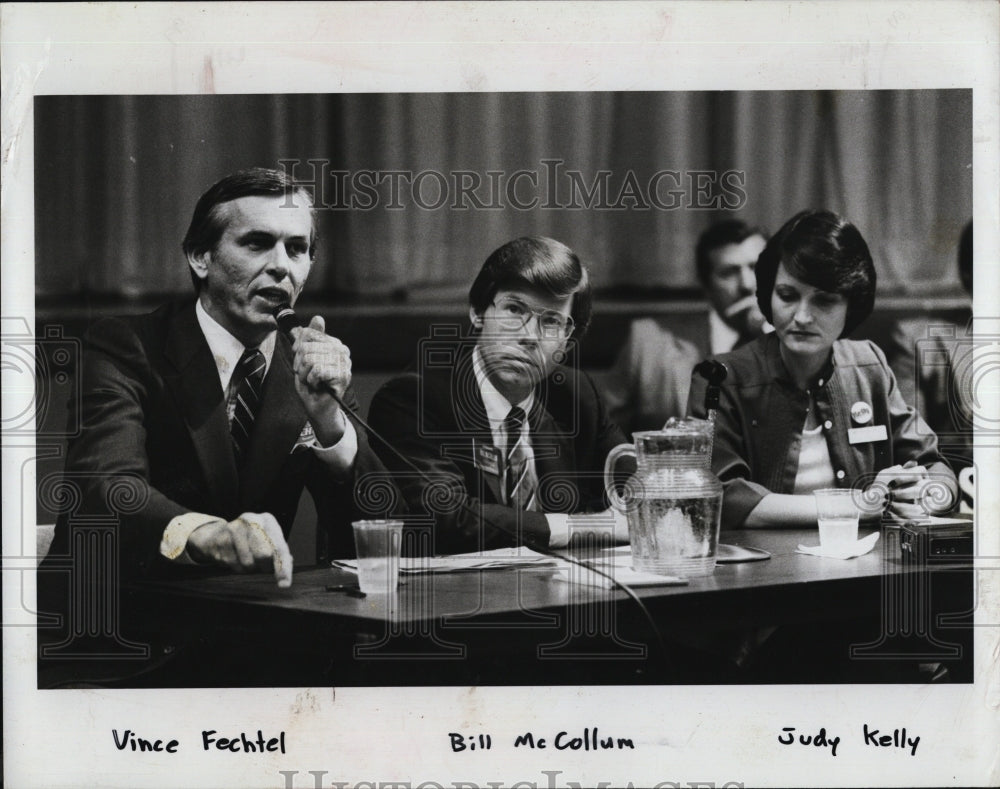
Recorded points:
(521, 483)
(250, 375)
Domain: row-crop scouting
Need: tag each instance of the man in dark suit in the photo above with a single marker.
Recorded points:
(201, 423)
(505, 441)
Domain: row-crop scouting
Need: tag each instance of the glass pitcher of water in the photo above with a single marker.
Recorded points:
(673, 501)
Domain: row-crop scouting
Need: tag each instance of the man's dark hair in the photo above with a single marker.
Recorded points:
(826, 251)
(729, 231)
(537, 262)
(208, 220)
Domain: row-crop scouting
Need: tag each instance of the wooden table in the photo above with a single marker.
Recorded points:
(528, 627)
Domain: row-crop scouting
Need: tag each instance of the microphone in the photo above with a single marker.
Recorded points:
(286, 318)
(715, 373)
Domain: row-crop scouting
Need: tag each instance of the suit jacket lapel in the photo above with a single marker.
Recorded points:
(552, 444)
(470, 416)
(278, 423)
(492, 480)
(195, 386)
(485, 435)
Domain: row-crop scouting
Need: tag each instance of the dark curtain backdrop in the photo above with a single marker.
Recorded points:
(116, 179)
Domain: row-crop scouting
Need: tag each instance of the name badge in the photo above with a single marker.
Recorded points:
(486, 458)
(306, 439)
(865, 435)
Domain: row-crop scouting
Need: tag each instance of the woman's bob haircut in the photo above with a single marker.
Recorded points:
(826, 251)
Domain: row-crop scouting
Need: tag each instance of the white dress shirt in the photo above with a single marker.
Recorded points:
(226, 351)
(722, 337)
(497, 407)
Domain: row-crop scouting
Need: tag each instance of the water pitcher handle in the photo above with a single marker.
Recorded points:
(609, 482)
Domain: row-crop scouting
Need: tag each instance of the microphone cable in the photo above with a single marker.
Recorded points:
(287, 320)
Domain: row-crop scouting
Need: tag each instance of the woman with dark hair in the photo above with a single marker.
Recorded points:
(802, 408)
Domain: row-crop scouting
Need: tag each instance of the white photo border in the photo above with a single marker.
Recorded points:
(683, 735)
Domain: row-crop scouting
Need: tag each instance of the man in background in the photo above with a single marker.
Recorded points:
(932, 362)
(650, 379)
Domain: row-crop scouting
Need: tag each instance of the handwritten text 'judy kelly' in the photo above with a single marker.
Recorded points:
(870, 737)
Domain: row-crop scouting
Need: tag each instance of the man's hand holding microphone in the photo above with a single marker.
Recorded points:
(254, 541)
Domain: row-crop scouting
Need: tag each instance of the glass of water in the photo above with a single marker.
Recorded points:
(377, 543)
(837, 513)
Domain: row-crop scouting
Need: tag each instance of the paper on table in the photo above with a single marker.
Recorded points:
(724, 554)
(860, 548)
(623, 574)
(961, 519)
(497, 559)
(617, 562)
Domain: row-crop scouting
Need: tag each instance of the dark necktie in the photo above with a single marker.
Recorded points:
(520, 485)
(250, 376)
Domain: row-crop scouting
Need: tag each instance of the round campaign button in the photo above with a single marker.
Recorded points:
(861, 412)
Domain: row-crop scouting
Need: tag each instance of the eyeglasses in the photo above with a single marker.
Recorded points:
(513, 314)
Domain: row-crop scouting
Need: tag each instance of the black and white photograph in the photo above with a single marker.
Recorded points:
(447, 404)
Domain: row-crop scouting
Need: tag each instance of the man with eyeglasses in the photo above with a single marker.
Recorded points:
(503, 441)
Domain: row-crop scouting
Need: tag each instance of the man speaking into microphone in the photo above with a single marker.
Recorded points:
(217, 417)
